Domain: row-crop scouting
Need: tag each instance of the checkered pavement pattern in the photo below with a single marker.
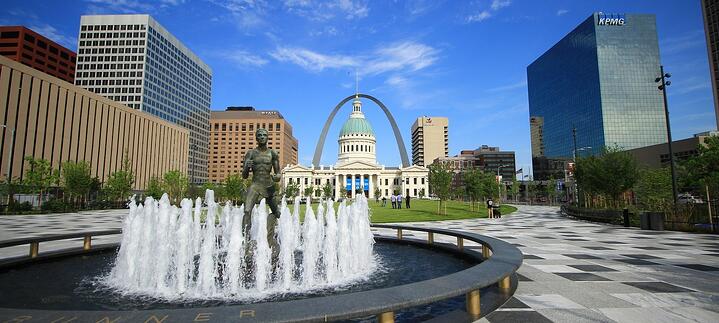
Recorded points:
(577, 271)
(573, 271)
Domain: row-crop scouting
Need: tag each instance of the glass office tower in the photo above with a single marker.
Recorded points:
(600, 78)
(133, 60)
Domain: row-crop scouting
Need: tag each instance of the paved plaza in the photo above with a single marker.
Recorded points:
(573, 271)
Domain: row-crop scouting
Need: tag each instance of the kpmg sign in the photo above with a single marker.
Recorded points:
(610, 19)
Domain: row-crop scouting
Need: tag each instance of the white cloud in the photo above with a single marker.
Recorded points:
(518, 85)
(396, 80)
(55, 35)
(311, 60)
(687, 40)
(485, 14)
(324, 10)
(562, 12)
(499, 4)
(404, 56)
(243, 59)
(246, 14)
(479, 16)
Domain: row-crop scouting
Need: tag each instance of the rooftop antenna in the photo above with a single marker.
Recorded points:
(356, 84)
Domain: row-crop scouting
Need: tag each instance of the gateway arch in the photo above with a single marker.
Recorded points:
(397, 134)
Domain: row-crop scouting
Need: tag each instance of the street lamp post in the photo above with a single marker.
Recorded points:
(663, 83)
(9, 159)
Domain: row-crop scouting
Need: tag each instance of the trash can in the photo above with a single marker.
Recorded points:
(651, 221)
(644, 220)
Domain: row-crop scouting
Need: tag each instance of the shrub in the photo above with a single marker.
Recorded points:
(56, 206)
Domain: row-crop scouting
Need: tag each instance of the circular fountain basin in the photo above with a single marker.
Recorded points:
(80, 288)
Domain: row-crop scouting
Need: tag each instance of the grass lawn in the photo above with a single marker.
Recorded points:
(423, 210)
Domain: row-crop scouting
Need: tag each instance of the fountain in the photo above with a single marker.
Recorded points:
(171, 253)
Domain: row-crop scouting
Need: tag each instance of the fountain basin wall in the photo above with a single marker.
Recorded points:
(495, 272)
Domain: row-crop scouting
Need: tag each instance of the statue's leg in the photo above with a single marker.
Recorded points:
(250, 202)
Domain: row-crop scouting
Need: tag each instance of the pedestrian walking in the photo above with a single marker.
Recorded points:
(406, 201)
(399, 201)
(490, 209)
(394, 201)
(384, 201)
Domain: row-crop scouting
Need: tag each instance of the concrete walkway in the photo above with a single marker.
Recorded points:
(577, 271)
(573, 271)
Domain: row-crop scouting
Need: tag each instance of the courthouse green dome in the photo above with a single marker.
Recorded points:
(356, 126)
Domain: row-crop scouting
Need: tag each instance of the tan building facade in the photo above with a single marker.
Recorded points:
(232, 134)
(48, 118)
(657, 156)
(430, 140)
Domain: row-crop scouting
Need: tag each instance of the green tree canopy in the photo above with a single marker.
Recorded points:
(611, 173)
(235, 188)
(39, 176)
(76, 179)
(154, 188)
(119, 184)
(175, 184)
(440, 183)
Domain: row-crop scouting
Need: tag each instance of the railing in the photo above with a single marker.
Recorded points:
(500, 261)
(34, 242)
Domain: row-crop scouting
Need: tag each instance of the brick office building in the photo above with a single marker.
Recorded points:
(37, 51)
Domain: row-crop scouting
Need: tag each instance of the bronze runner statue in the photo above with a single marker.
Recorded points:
(261, 161)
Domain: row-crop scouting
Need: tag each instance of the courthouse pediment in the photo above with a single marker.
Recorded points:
(297, 168)
(358, 165)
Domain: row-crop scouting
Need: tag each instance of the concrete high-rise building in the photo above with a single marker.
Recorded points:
(48, 118)
(37, 51)
(430, 140)
(486, 158)
(232, 134)
(133, 60)
(710, 10)
(599, 78)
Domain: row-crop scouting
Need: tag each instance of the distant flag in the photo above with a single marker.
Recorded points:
(519, 171)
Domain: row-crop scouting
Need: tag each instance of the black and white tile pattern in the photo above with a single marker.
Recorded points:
(573, 271)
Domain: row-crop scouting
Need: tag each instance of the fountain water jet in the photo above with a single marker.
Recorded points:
(172, 254)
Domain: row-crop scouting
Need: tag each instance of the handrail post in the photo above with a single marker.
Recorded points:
(399, 234)
(485, 252)
(505, 283)
(386, 317)
(34, 249)
(430, 237)
(460, 243)
(87, 242)
(473, 307)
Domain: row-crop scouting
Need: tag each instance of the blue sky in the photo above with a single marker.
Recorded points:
(465, 60)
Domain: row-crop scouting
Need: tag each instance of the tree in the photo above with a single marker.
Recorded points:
(175, 184)
(119, 184)
(551, 190)
(472, 185)
(704, 167)
(308, 191)
(39, 176)
(76, 180)
(377, 194)
(235, 188)
(440, 182)
(591, 174)
(421, 193)
(654, 190)
(328, 191)
(292, 190)
(514, 189)
(154, 188)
